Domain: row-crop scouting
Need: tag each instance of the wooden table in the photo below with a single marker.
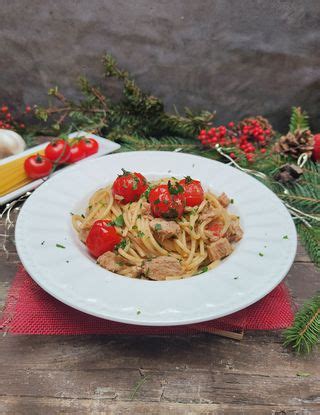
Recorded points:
(202, 374)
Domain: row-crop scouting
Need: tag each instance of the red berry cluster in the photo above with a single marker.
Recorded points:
(247, 137)
(8, 121)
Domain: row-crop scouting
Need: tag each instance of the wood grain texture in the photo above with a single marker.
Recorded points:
(202, 374)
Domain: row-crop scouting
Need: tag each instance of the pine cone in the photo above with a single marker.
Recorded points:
(294, 144)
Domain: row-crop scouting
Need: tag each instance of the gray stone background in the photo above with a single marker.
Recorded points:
(238, 57)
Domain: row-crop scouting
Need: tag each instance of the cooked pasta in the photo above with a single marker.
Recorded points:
(161, 248)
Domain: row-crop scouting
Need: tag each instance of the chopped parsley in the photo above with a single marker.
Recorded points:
(119, 221)
(122, 244)
(82, 216)
(147, 192)
(232, 201)
(158, 227)
(235, 278)
(90, 207)
(67, 261)
(135, 183)
(285, 237)
(139, 216)
(60, 246)
(261, 254)
(191, 228)
(202, 270)
(135, 227)
(175, 189)
(71, 213)
(140, 234)
(156, 202)
(43, 242)
(138, 312)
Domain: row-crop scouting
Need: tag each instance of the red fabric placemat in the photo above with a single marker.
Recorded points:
(30, 310)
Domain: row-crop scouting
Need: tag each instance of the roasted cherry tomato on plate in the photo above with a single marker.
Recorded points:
(193, 191)
(102, 238)
(89, 146)
(128, 187)
(76, 153)
(58, 151)
(37, 166)
(215, 228)
(167, 201)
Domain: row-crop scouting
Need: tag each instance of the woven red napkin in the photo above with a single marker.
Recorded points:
(30, 310)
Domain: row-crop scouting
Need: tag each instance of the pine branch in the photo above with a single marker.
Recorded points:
(304, 334)
(311, 240)
(299, 120)
(137, 143)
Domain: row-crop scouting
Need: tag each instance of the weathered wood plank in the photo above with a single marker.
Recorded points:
(191, 386)
(258, 354)
(51, 406)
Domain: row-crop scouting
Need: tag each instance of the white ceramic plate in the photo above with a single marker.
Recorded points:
(73, 277)
(105, 147)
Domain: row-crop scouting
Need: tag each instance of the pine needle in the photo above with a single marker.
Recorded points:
(137, 387)
(304, 335)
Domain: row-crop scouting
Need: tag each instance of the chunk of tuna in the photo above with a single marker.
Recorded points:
(164, 229)
(234, 232)
(111, 261)
(208, 212)
(161, 267)
(219, 249)
(224, 200)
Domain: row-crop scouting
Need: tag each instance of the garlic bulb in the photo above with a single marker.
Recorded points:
(10, 143)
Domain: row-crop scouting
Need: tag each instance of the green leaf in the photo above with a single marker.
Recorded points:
(119, 221)
(158, 227)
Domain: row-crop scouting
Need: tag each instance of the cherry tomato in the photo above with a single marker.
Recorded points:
(193, 191)
(215, 228)
(89, 146)
(102, 238)
(167, 201)
(76, 153)
(58, 151)
(129, 187)
(37, 166)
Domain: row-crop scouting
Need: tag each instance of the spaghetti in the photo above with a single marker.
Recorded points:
(162, 248)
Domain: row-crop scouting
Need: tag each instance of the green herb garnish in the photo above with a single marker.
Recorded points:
(261, 254)
(232, 201)
(285, 237)
(175, 189)
(119, 221)
(202, 270)
(140, 234)
(122, 244)
(60, 246)
(158, 227)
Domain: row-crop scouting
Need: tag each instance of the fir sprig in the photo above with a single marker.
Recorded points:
(304, 335)
(299, 120)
